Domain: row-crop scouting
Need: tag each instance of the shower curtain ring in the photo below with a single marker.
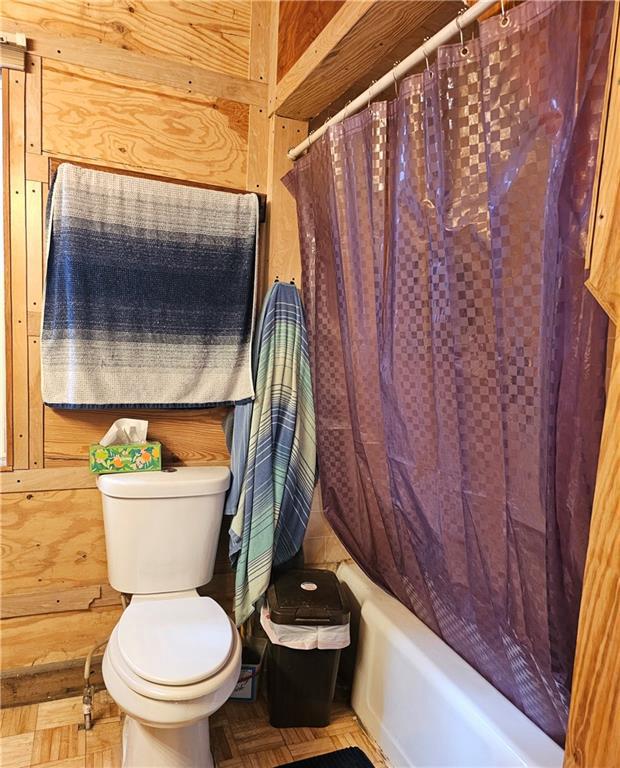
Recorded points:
(327, 119)
(504, 20)
(370, 94)
(464, 49)
(346, 106)
(396, 63)
(428, 66)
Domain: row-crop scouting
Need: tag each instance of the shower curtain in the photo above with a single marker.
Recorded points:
(458, 361)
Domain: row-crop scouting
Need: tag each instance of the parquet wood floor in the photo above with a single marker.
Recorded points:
(49, 735)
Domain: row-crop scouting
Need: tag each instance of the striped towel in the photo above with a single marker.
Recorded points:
(149, 298)
(280, 471)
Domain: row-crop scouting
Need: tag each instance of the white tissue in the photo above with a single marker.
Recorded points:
(125, 431)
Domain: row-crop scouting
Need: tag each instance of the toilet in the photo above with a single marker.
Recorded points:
(174, 657)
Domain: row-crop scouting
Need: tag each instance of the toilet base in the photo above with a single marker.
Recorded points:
(185, 747)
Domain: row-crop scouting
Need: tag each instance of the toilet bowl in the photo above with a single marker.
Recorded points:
(174, 657)
(171, 661)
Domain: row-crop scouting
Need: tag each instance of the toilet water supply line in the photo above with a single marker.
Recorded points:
(451, 29)
(89, 690)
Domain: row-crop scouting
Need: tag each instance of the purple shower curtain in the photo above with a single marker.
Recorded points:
(458, 361)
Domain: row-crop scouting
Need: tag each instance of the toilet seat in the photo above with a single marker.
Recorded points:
(204, 656)
(178, 641)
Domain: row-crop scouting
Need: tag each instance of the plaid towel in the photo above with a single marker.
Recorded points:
(149, 299)
(277, 480)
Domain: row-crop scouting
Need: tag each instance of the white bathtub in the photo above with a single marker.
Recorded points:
(422, 703)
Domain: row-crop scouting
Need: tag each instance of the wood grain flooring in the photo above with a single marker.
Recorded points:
(50, 735)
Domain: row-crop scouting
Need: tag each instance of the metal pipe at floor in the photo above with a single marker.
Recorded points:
(400, 70)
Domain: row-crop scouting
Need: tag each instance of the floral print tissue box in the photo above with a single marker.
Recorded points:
(134, 457)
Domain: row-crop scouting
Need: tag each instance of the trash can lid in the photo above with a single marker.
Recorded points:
(307, 596)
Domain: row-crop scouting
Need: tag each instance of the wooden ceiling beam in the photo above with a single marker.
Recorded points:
(359, 39)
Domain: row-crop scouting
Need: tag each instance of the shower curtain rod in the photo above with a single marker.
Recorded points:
(403, 68)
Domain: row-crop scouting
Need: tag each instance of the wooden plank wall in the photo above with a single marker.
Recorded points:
(66, 105)
(178, 91)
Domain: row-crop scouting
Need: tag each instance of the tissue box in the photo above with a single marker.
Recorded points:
(134, 457)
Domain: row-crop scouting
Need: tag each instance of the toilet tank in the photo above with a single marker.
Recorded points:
(162, 528)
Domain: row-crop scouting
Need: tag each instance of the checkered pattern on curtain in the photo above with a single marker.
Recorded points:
(458, 361)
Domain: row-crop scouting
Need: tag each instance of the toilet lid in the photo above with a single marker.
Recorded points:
(179, 641)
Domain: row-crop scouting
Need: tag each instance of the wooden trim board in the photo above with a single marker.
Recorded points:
(117, 61)
(59, 601)
(45, 682)
(593, 737)
(17, 223)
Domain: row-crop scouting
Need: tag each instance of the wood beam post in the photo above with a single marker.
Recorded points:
(593, 738)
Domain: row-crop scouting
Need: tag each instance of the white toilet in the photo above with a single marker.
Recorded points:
(174, 657)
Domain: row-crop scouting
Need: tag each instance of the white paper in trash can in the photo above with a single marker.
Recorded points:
(305, 637)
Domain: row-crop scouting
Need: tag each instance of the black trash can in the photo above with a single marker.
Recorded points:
(301, 683)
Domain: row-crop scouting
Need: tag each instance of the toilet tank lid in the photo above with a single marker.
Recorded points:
(177, 482)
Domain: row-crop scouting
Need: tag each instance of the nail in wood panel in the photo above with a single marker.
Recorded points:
(120, 121)
(187, 436)
(210, 35)
(17, 222)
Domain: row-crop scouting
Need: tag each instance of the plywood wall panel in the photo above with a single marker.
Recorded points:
(56, 637)
(52, 540)
(212, 35)
(119, 121)
(187, 436)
